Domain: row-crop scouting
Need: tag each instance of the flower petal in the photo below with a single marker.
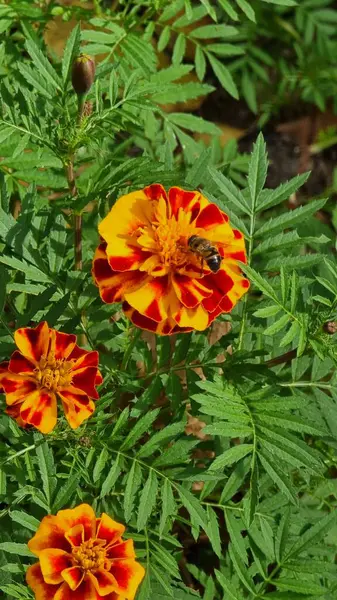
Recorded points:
(33, 342)
(80, 515)
(99, 378)
(40, 409)
(210, 216)
(196, 318)
(103, 582)
(53, 561)
(155, 191)
(128, 574)
(190, 292)
(73, 577)
(75, 535)
(20, 364)
(77, 406)
(41, 589)
(85, 380)
(108, 529)
(121, 550)
(85, 591)
(16, 387)
(221, 283)
(188, 202)
(61, 344)
(112, 285)
(83, 358)
(151, 299)
(50, 534)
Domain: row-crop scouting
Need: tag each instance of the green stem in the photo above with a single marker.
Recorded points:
(129, 349)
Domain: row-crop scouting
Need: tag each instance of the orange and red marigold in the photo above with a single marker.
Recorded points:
(49, 364)
(145, 260)
(82, 558)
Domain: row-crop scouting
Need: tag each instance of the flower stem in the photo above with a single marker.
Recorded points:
(77, 218)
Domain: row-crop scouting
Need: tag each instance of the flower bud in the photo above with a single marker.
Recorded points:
(83, 74)
(330, 327)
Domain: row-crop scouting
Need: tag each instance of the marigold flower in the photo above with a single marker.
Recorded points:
(49, 364)
(146, 261)
(82, 558)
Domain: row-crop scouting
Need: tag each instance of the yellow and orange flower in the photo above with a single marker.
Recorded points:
(82, 558)
(145, 261)
(49, 364)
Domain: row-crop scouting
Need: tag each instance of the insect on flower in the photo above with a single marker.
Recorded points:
(171, 258)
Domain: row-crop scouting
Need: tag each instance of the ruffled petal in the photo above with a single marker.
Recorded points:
(196, 318)
(151, 298)
(128, 574)
(103, 582)
(75, 535)
(121, 550)
(188, 202)
(80, 515)
(50, 534)
(17, 387)
(61, 344)
(33, 342)
(112, 285)
(83, 358)
(41, 589)
(155, 191)
(210, 216)
(85, 591)
(190, 292)
(53, 561)
(221, 283)
(40, 409)
(20, 364)
(108, 529)
(73, 577)
(99, 378)
(77, 406)
(85, 380)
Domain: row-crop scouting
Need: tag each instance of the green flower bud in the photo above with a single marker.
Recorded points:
(83, 74)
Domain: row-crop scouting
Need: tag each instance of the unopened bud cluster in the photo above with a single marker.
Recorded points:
(83, 74)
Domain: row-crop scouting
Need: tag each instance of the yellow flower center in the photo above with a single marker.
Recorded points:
(89, 555)
(53, 373)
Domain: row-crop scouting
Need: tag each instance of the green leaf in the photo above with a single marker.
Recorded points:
(234, 528)
(31, 272)
(225, 4)
(200, 63)
(179, 50)
(247, 9)
(25, 520)
(231, 592)
(271, 198)
(164, 38)
(257, 172)
(141, 427)
(66, 492)
(301, 587)
(231, 456)
(223, 75)
(147, 500)
(46, 466)
(133, 483)
(277, 326)
(229, 190)
(100, 464)
(268, 311)
(71, 51)
(281, 537)
(42, 64)
(278, 476)
(193, 506)
(159, 438)
(168, 505)
(193, 123)
(111, 478)
(214, 31)
(16, 548)
(213, 531)
(241, 570)
(313, 535)
(290, 218)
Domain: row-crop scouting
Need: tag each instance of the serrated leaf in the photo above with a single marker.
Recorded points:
(234, 527)
(193, 123)
(71, 50)
(213, 531)
(111, 478)
(223, 75)
(193, 506)
(147, 500)
(241, 570)
(247, 9)
(257, 171)
(168, 505)
(231, 592)
(179, 49)
(290, 218)
(231, 456)
(159, 438)
(141, 427)
(301, 587)
(268, 311)
(230, 191)
(133, 483)
(279, 477)
(66, 492)
(100, 464)
(42, 64)
(46, 466)
(271, 198)
(200, 63)
(313, 535)
(277, 326)
(16, 548)
(164, 38)
(25, 520)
